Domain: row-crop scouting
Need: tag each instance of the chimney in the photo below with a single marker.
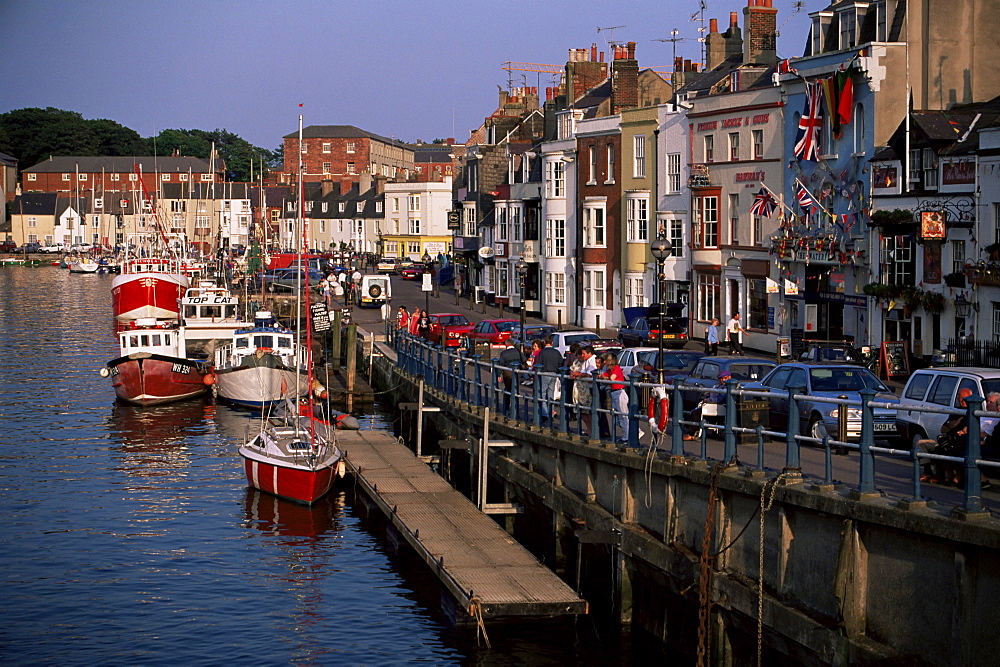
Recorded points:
(325, 187)
(503, 97)
(624, 79)
(364, 182)
(380, 183)
(733, 37)
(715, 46)
(760, 21)
(593, 52)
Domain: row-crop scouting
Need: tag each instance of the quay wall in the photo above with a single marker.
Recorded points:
(847, 577)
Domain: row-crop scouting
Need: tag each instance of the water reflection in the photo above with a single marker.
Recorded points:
(155, 441)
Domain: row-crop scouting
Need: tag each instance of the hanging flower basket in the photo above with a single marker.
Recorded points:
(911, 296)
(955, 280)
(877, 290)
(933, 302)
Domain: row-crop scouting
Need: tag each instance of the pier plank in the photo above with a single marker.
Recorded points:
(481, 565)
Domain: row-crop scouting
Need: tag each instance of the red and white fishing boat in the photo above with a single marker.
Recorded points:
(297, 459)
(152, 368)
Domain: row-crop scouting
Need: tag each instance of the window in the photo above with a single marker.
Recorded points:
(757, 136)
(757, 318)
(341, 207)
(593, 288)
(32, 221)
(67, 177)
(673, 231)
(413, 247)
(395, 204)
(709, 148)
(202, 222)
(183, 177)
(350, 146)
(734, 218)
(673, 172)
(469, 220)
(996, 223)
(116, 177)
(957, 256)
(708, 305)
(326, 146)
(275, 215)
(611, 164)
(995, 320)
(83, 177)
(413, 203)
(414, 226)
(734, 146)
(351, 169)
(706, 224)
(848, 28)
(324, 207)
(378, 207)
(359, 207)
(634, 291)
(555, 238)
(555, 288)
(930, 168)
(326, 167)
(898, 263)
(916, 165)
(639, 157)
(503, 277)
(593, 165)
(515, 223)
(593, 227)
(859, 130)
(638, 219)
(305, 148)
(881, 34)
(205, 178)
(555, 185)
(758, 232)
(502, 224)
(32, 177)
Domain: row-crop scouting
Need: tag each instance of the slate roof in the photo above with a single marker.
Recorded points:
(204, 190)
(7, 160)
(340, 132)
(95, 164)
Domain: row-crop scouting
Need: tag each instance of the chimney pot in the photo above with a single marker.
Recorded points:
(713, 25)
(733, 20)
(631, 50)
(593, 52)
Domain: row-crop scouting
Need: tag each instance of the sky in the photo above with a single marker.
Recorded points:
(408, 69)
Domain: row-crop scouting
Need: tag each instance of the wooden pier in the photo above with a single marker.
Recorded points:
(483, 568)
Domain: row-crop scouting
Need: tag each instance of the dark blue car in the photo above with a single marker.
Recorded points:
(646, 326)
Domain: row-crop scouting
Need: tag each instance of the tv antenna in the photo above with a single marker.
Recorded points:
(699, 17)
(611, 42)
(673, 39)
(797, 6)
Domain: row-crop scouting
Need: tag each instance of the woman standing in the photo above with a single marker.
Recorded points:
(712, 337)
(423, 324)
(402, 318)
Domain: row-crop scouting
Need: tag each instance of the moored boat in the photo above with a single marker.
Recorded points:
(152, 368)
(148, 287)
(210, 315)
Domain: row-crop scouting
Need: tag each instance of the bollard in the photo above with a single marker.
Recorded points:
(536, 417)
(564, 400)
(842, 420)
(677, 414)
(729, 435)
(595, 399)
(867, 481)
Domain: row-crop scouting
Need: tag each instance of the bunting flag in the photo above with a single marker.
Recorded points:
(804, 197)
(763, 204)
(808, 137)
(845, 97)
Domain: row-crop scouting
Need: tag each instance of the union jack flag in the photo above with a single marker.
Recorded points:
(804, 197)
(810, 123)
(763, 204)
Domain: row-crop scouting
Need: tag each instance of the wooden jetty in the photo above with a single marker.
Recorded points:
(483, 568)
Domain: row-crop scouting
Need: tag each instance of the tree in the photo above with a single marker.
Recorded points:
(236, 152)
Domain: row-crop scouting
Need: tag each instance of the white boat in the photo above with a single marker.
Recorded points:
(261, 365)
(82, 265)
(210, 315)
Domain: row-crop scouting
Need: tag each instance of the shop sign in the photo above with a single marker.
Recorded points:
(932, 225)
(958, 172)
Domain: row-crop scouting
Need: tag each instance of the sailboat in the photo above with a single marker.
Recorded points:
(295, 457)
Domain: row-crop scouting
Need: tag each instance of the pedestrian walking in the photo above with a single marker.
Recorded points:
(548, 362)
(414, 321)
(402, 318)
(712, 338)
(734, 332)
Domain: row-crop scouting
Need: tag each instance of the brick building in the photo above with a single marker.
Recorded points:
(341, 153)
(82, 173)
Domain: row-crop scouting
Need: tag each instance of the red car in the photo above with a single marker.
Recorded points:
(494, 332)
(448, 329)
(412, 272)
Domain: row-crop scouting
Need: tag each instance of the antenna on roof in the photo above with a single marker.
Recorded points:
(797, 6)
(611, 29)
(699, 17)
(673, 39)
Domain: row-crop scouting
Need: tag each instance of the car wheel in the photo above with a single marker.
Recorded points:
(817, 429)
(918, 435)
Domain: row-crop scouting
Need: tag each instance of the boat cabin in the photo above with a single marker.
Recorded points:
(149, 335)
(210, 303)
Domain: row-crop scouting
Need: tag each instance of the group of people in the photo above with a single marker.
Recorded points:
(582, 362)
(953, 441)
(338, 284)
(734, 334)
(416, 323)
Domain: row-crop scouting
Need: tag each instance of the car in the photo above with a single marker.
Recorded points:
(405, 262)
(287, 280)
(531, 333)
(645, 326)
(387, 265)
(81, 247)
(676, 363)
(825, 352)
(706, 374)
(412, 272)
(494, 332)
(448, 329)
(938, 388)
(8, 246)
(561, 340)
(375, 290)
(30, 246)
(818, 419)
(53, 248)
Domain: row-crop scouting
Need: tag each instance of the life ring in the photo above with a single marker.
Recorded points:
(658, 403)
(374, 290)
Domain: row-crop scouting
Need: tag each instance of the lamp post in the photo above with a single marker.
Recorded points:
(661, 249)
(522, 272)
(427, 269)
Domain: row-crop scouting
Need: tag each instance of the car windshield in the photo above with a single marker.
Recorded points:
(506, 326)
(683, 361)
(749, 371)
(844, 379)
(453, 320)
(579, 338)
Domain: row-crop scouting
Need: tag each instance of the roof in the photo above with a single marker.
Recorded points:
(204, 191)
(8, 160)
(94, 164)
(341, 132)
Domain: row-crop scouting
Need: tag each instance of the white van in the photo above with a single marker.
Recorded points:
(938, 388)
(375, 290)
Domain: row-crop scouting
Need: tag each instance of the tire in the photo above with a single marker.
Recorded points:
(374, 290)
(918, 435)
(816, 428)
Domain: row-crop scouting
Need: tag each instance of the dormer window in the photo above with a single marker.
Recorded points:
(850, 19)
(817, 36)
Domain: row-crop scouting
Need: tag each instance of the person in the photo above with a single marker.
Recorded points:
(713, 399)
(734, 332)
(536, 349)
(619, 397)
(951, 442)
(571, 359)
(356, 276)
(602, 399)
(712, 338)
(508, 360)
(549, 362)
(423, 324)
(582, 386)
(402, 318)
(414, 321)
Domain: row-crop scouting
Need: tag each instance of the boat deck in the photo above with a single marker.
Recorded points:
(484, 569)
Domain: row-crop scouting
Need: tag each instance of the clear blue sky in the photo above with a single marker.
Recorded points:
(410, 69)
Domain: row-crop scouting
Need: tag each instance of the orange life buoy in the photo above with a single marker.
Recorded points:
(658, 403)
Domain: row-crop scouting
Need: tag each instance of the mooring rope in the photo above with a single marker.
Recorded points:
(476, 610)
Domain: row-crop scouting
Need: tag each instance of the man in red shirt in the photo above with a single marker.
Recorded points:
(619, 398)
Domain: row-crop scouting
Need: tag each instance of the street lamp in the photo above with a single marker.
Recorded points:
(661, 249)
(522, 272)
(428, 266)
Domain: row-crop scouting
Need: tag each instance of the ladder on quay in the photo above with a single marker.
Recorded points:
(482, 567)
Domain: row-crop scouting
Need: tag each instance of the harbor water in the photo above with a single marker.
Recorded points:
(129, 535)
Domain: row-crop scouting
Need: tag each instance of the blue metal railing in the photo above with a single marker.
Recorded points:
(480, 381)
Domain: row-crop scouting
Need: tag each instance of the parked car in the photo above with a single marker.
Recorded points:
(494, 332)
(55, 248)
(375, 290)
(7, 246)
(30, 246)
(287, 280)
(831, 353)
(561, 340)
(448, 329)
(387, 265)
(938, 388)
(676, 363)
(827, 381)
(412, 272)
(531, 333)
(647, 330)
(706, 374)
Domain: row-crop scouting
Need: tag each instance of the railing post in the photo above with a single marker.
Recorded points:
(867, 481)
(516, 403)
(729, 436)
(632, 418)
(564, 401)
(463, 380)
(973, 480)
(792, 460)
(677, 414)
(495, 385)
(477, 397)
(438, 380)
(595, 401)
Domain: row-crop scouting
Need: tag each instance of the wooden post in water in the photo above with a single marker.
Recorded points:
(335, 349)
(352, 363)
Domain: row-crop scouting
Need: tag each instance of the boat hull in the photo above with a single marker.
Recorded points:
(152, 379)
(258, 382)
(147, 294)
(300, 483)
